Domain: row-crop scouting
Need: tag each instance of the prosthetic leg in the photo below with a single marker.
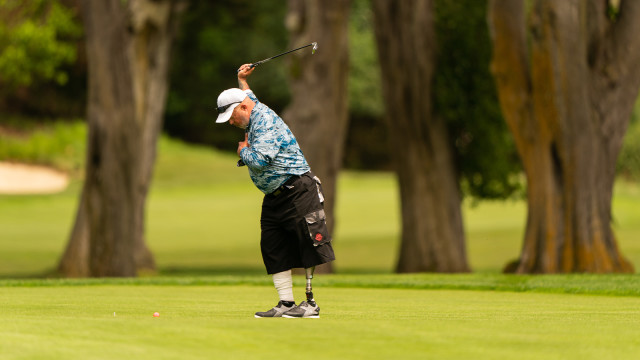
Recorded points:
(309, 274)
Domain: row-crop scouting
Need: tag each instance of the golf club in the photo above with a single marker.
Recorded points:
(314, 44)
(313, 51)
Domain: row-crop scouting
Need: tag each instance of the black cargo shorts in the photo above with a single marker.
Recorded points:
(294, 229)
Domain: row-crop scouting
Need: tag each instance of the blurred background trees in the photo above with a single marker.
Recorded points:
(42, 67)
(215, 38)
(318, 111)
(43, 75)
(421, 149)
(465, 97)
(128, 46)
(568, 79)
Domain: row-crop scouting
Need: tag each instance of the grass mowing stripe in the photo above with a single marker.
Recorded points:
(613, 285)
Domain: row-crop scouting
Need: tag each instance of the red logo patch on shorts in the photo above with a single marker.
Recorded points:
(318, 237)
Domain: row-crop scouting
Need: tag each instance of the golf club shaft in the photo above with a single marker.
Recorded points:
(314, 44)
(284, 53)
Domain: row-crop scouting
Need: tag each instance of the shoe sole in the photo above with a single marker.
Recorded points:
(301, 317)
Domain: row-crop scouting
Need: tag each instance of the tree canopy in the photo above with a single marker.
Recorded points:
(215, 38)
(466, 97)
(37, 37)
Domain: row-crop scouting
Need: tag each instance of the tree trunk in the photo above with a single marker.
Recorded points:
(75, 260)
(318, 113)
(432, 231)
(128, 47)
(567, 99)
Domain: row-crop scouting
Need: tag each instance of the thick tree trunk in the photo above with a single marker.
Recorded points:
(432, 231)
(128, 47)
(318, 113)
(568, 109)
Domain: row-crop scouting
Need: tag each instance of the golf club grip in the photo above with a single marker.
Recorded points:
(251, 66)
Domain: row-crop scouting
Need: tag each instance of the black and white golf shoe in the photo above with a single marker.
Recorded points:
(277, 310)
(304, 310)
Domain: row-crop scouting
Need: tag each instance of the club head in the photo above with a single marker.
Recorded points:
(315, 47)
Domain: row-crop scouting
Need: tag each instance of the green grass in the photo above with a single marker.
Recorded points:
(203, 228)
(215, 322)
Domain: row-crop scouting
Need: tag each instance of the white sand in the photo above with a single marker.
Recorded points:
(30, 179)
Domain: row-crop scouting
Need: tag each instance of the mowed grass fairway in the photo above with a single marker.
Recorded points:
(203, 228)
(215, 322)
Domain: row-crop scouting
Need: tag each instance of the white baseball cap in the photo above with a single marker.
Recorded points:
(227, 101)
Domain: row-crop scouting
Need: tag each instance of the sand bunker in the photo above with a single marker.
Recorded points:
(30, 179)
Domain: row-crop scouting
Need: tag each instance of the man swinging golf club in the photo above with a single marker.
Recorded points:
(293, 227)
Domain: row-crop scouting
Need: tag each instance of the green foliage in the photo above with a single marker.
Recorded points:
(208, 53)
(60, 144)
(628, 164)
(37, 38)
(215, 38)
(465, 96)
(613, 10)
(367, 143)
(365, 94)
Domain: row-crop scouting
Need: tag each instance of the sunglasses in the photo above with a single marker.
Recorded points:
(222, 109)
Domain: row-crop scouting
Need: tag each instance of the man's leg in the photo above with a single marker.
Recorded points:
(284, 285)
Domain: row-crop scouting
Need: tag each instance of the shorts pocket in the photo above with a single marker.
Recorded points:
(317, 227)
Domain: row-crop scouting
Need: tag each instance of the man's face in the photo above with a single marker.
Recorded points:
(240, 116)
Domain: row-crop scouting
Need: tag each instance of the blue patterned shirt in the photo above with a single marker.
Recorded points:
(273, 155)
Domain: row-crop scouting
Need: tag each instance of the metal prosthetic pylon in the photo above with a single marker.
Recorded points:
(309, 292)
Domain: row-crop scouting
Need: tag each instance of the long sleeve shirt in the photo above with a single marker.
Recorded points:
(273, 154)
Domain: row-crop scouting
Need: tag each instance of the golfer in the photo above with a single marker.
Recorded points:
(293, 227)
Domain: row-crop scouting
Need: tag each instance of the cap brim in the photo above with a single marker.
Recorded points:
(225, 116)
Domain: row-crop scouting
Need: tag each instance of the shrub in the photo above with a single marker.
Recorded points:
(61, 145)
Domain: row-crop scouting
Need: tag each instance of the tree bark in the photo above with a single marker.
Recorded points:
(318, 113)
(432, 230)
(128, 48)
(567, 99)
